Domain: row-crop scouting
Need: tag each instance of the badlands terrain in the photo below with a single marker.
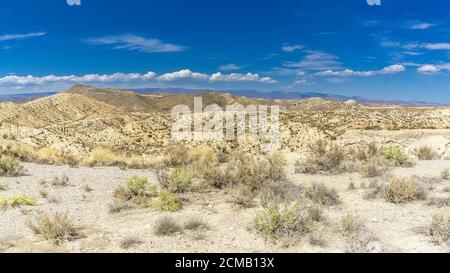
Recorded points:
(92, 170)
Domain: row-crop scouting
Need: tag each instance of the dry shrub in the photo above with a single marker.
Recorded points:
(322, 195)
(276, 192)
(180, 180)
(366, 153)
(167, 201)
(57, 228)
(196, 224)
(16, 201)
(372, 169)
(439, 228)
(223, 154)
(358, 238)
(47, 155)
(445, 174)
(177, 155)
(118, 206)
(317, 240)
(129, 242)
(102, 156)
(439, 202)
(166, 226)
(60, 181)
(426, 153)
(396, 156)
(10, 167)
(403, 190)
(325, 156)
(281, 222)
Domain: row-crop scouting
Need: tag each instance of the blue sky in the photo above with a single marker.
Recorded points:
(399, 50)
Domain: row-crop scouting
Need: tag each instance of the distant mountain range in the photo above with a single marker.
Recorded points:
(20, 98)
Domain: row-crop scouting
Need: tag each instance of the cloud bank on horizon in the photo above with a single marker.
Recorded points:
(389, 50)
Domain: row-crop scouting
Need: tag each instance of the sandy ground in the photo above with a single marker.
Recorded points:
(395, 226)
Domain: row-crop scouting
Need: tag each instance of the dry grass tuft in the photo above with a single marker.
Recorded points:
(325, 156)
(355, 232)
(166, 226)
(196, 224)
(403, 190)
(322, 195)
(439, 228)
(118, 206)
(11, 167)
(426, 153)
(57, 229)
(62, 181)
(129, 242)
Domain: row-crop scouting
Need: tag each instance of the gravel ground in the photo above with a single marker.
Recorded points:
(394, 226)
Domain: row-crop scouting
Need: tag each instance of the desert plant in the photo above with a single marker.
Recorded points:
(167, 201)
(195, 224)
(57, 228)
(445, 174)
(177, 155)
(181, 180)
(278, 222)
(426, 153)
(10, 167)
(118, 206)
(60, 181)
(137, 189)
(166, 226)
(351, 225)
(102, 156)
(396, 156)
(325, 156)
(16, 201)
(129, 242)
(370, 169)
(317, 240)
(367, 152)
(322, 195)
(43, 193)
(439, 228)
(402, 190)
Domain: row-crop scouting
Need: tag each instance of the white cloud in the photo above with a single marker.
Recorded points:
(430, 69)
(437, 46)
(316, 60)
(116, 77)
(134, 42)
(421, 26)
(236, 77)
(229, 67)
(291, 48)
(184, 74)
(393, 69)
(9, 37)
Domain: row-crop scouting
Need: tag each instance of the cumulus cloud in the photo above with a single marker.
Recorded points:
(393, 69)
(132, 78)
(10, 37)
(430, 69)
(184, 74)
(137, 43)
(291, 48)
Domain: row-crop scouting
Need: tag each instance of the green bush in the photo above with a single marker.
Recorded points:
(167, 201)
(396, 156)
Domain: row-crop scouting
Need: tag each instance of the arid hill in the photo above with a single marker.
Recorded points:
(84, 117)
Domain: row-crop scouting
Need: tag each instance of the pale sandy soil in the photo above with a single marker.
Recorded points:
(394, 226)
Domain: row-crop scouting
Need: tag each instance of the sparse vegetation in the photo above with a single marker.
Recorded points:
(396, 156)
(325, 156)
(10, 167)
(281, 222)
(118, 206)
(356, 234)
(129, 242)
(322, 195)
(402, 190)
(167, 201)
(137, 190)
(60, 181)
(439, 228)
(426, 153)
(445, 174)
(177, 156)
(57, 228)
(196, 224)
(166, 226)
(16, 201)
